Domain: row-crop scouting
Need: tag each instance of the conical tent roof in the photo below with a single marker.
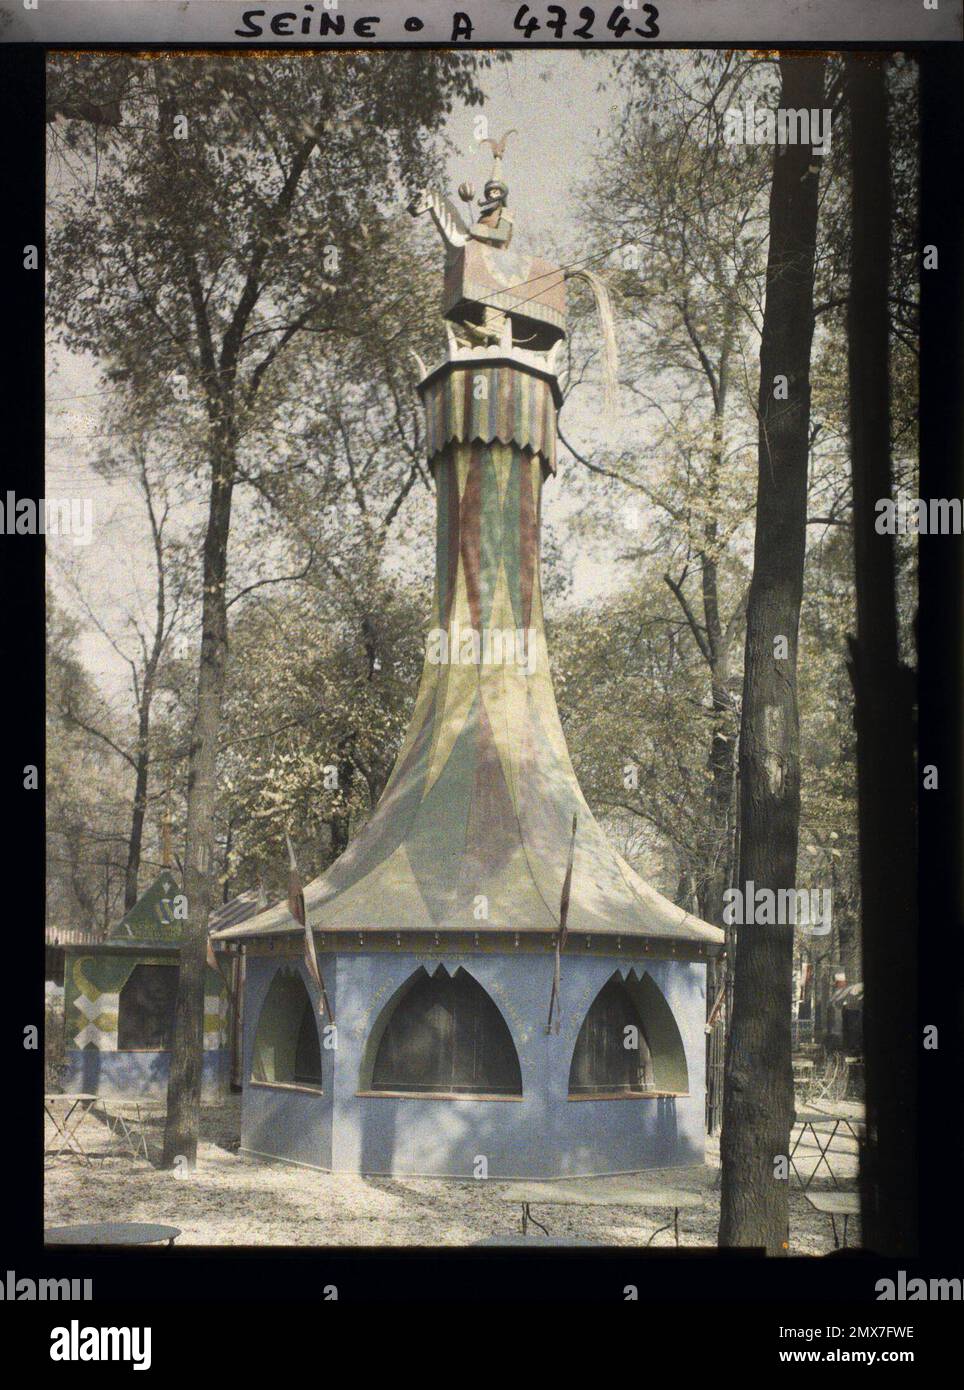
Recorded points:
(472, 831)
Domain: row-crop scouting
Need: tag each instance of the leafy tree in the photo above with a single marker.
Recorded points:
(686, 215)
(85, 799)
(634, 704)
(319, 699)
(758, 1092)
(139, 454)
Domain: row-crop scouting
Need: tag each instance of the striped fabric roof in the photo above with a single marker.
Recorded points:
(472, 830)
(488, 403)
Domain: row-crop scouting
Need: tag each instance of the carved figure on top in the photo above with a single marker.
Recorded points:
(494, 226)
(495, 298)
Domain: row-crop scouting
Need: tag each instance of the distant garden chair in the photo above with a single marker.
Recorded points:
(125, 1122)
(831, 1084)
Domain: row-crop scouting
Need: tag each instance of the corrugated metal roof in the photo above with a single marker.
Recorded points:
(238, 910)
(72, 936)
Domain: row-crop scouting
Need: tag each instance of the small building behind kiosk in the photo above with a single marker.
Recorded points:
(119, 998)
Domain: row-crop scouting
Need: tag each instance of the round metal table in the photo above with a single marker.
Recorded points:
(112, 1233)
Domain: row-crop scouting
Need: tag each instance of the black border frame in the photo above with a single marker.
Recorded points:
(148, 1286)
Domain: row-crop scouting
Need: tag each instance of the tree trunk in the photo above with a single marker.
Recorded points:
(340, 823)
(717, 851)
(721, 761)
(187, 1052)
(143, 757)
(136, 837)
(884, 709)
(716, 845)
(758, 1095)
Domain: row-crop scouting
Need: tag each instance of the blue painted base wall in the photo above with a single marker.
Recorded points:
(138, 1075)
(544, 1135)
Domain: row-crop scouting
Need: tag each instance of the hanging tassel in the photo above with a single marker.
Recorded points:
(607, 326)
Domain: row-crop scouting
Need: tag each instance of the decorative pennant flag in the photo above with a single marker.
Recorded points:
(555, 1004)
(214, 962)
(296, 906)
(717, 1005)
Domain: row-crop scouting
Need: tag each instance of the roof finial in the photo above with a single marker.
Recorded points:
(498, 150)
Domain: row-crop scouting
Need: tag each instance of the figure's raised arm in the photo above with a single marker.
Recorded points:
(451, 228)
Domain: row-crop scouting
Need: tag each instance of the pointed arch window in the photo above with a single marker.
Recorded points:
(286, 1047)
(446, 1036)
(612, 1051)
(629, 1044)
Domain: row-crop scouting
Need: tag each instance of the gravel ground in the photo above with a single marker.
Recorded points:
(231, 1200)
